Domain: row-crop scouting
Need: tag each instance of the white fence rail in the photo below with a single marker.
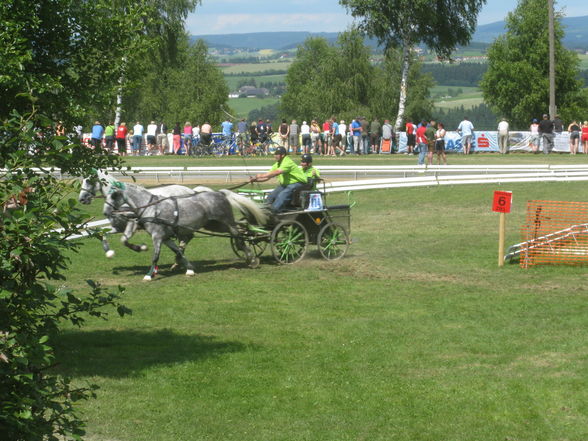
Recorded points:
(450, 174)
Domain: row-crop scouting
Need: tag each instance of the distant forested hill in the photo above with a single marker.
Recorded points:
(576, 36)
(576, 32)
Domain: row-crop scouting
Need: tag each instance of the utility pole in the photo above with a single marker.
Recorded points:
(552, 108)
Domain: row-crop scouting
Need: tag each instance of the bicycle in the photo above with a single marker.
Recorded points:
(223, 146)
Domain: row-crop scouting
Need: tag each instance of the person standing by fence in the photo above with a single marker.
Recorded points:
(137, 138)
(503, 136)
(546, 131)
(121, 139)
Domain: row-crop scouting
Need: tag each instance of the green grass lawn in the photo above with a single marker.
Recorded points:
(396, 159)
(415, 335)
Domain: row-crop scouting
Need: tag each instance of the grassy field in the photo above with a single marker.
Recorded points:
(583, 61)
(472, 96)
(455, 159)
(256, 67)
(242, 106)
(415, 335)
(234, 81)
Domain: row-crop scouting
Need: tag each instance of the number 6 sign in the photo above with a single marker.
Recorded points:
(502, 201)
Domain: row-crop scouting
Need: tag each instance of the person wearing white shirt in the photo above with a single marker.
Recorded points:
(503, 136)
(151, 137)
(343, 133)
(466, 130)
(305, 133)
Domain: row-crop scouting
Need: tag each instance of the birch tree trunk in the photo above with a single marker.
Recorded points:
(121, 79)
(403, 85)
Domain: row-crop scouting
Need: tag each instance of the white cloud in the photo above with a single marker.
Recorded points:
(204, 24)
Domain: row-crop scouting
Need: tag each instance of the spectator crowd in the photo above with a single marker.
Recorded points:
(329, 137)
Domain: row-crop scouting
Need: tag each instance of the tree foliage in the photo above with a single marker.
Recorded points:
(516, 84)
(460, 74)
(341, 80)
(59, 62)
(402, 24)
(192, 88)
(441, 26)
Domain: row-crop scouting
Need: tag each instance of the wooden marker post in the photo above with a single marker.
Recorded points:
(501, 204)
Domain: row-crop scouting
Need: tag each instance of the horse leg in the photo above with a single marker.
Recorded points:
(180, 258)
(182, 246)
(128, 233)
(105, 245)
(250, 258)
(156, 250)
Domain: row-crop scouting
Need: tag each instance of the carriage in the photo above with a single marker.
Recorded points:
(178, 213)
(289, 234)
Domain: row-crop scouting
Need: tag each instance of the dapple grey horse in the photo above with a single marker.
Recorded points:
(101, 183)
(180, 217)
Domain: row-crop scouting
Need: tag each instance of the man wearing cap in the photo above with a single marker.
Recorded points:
(312, 173)
(290, 176)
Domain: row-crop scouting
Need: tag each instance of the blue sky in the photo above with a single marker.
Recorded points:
(243, 16)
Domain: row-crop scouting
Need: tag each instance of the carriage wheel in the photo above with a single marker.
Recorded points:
(289, 241)
(258, 246)
(333, 241)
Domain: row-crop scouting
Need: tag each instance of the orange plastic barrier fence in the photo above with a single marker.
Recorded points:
(556, 233)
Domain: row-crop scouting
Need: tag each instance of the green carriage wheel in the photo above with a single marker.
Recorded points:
(333, 241)
(289, 242)
(258, 246)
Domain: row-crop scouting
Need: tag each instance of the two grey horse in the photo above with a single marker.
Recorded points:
(101, 184)
(169, 217)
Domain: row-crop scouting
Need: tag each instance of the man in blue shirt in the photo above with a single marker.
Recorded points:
(97, 132)
(227, 128)
(356, 133)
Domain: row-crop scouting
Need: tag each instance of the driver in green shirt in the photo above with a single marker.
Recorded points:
(312, 173)
(290, 176)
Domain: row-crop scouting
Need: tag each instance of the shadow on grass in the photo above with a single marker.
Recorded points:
(111, 353)
(200, 267)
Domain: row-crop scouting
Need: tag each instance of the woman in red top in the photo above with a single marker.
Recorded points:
(585, 137)
(121, 139)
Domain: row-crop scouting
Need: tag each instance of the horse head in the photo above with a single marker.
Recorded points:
(98, 183)
(115, 199)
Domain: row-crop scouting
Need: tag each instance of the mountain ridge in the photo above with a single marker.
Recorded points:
(576, 36)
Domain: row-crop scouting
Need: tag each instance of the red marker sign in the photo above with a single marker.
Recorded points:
(502, 201)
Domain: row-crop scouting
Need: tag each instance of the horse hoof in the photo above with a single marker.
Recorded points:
(144, 247)
(189, 272)
(254, 262)
(110, 254)
(147, 278)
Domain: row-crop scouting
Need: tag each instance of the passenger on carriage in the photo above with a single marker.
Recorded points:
(312, 173)
(290, 176)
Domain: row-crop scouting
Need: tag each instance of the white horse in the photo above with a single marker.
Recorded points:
(180, 217)
(101, 184)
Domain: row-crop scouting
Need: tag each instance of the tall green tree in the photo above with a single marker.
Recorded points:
(307, 78)
(341, 80)
(59, 62)
(192, 88)
(155, 45)
(516, 84)
(441, 25)
(384, 100)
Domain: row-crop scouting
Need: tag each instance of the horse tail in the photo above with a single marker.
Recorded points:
(246, 206)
